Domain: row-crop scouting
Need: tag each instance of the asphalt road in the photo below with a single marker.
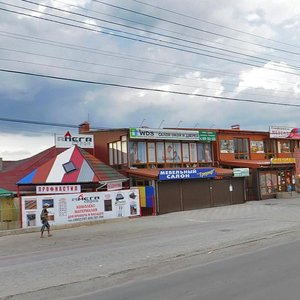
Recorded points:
(270, 274)
(79, 260)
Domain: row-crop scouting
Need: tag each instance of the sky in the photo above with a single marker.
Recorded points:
(132, 63)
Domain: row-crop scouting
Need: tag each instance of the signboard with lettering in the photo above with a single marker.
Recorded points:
(171, 134)
(207, 136)
(80, 207)
(68, 140)
(179, 174)
(288, 160)
(58, 189)
(240, 172)
(284, 132)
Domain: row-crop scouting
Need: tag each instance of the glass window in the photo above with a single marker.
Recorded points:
(133, 152)
(185, 152)
(151, 152)
(200, 152)
(176, 152)
(119, 153)
(226, 146)
(207, 152)
(193, 152)
(115, 153)
(111, 154)
(142, 152)
(160, 152)
(284, 147)
(169, 152)
(124, 152)
(241, 148)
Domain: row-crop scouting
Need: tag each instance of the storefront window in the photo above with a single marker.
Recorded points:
(185, 153)
(142, 152)
(207, 152)
(160, 152)
(204, 152)
(226, 146)
(268, 183)
(193, 152)
(241, 148)
(284, 147)
(151, 152)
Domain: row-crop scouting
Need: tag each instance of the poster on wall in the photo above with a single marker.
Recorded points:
(257, 147)
(82, 207)
(226, 146)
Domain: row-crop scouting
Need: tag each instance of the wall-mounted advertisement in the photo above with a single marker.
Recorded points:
(178, 174)
(226, 146)
(284, 132)
(257, 147)
(82, 207)
(164, 134)
(137, 152)
(68, 140)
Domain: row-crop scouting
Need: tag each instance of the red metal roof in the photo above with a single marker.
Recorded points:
(246, 163)
(44, 161)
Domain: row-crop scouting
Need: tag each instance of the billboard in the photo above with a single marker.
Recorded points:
(68, 140)
(80, 207)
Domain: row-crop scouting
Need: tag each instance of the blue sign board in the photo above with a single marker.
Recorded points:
(179, 174)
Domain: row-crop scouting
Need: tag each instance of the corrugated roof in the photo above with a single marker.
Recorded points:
(74, 165)
(14, 171)
(245, 163)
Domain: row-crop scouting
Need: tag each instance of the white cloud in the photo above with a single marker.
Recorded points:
(18, 146)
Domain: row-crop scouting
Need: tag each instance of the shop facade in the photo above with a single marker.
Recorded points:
(143, 153)
(268, 155)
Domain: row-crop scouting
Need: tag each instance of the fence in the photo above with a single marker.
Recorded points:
(9, 214)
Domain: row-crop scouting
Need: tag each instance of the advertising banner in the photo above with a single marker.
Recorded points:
(164, 134)
(68, 140)
(178, 174)
(80, 207)
(284, 132)
(297, 160)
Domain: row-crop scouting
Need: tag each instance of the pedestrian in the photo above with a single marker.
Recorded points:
(44, 219)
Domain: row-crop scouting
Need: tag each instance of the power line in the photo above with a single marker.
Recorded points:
(192, 27)
(126, 77)
(117, 55)
(149, 31)
(181, 33)
(151, 43)
(137, 37)
(149, 89)
(212, 23)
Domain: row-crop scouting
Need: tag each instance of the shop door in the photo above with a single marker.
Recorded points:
(195, 194)
(169, 197)
(238, 190)
(221, 192)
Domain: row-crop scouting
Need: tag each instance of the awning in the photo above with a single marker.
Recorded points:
(154, 173)
(245, 163)
(5, 193)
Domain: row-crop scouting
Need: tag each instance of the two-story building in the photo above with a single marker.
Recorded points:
(177, 165)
